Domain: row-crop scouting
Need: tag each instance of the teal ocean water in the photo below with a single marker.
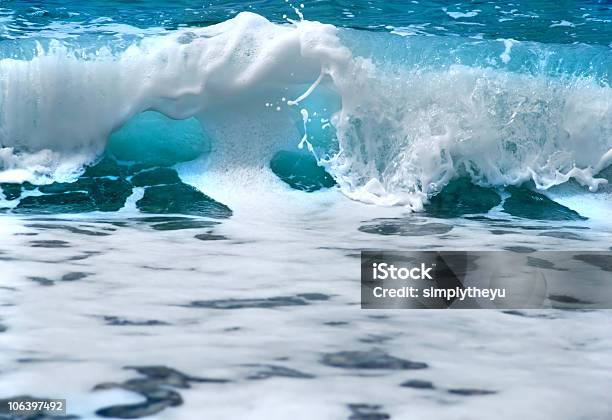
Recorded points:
(186, 186)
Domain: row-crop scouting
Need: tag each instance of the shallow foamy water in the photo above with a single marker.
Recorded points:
(262, 320)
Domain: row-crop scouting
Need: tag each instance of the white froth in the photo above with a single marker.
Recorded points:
(505, 56)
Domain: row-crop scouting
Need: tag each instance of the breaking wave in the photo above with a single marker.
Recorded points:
(393, 119)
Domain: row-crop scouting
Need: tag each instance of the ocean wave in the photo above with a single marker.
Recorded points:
(392, 119)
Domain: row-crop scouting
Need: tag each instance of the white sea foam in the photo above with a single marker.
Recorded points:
(505, 56)
(459, 15)
(562, 23)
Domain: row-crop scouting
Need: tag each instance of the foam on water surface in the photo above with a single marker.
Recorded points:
(228, 315)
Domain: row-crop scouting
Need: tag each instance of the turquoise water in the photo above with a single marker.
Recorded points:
(562, 22)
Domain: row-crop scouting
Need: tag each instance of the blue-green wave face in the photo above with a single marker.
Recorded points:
(150, 138)
(427, 105)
